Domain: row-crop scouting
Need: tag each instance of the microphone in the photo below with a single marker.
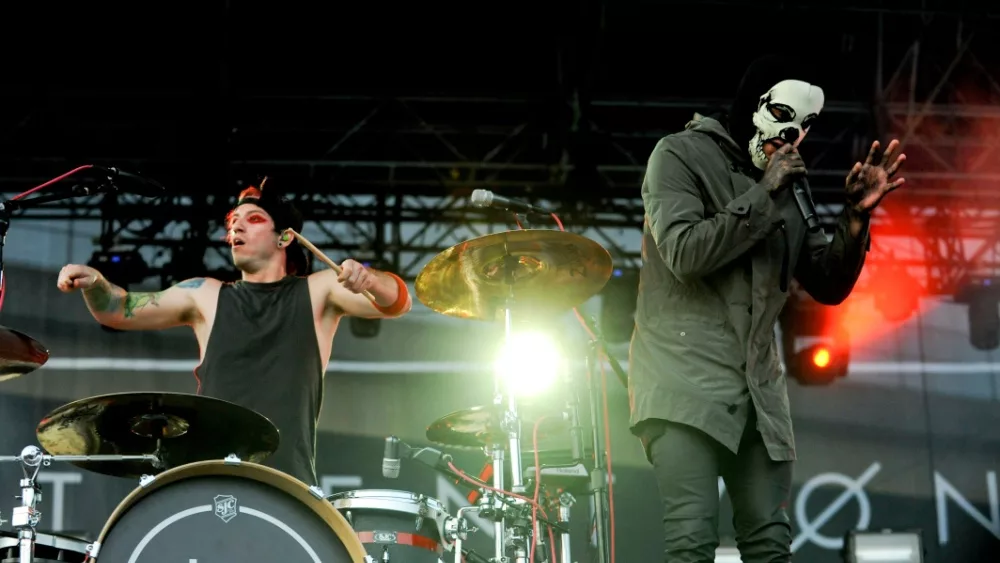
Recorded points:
(486, 198)
(133, 183)
(396, 450)
(390, 459)
(805, 204)
(435, 459)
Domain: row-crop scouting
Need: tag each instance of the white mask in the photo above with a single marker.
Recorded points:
(785, 112)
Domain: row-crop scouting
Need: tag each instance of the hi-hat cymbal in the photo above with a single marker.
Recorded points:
(188, 428)
(553, 271)
(19, 354)
(481, 426)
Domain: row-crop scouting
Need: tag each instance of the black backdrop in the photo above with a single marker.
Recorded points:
(825, 504)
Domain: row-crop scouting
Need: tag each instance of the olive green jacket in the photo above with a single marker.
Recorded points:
(716, 247)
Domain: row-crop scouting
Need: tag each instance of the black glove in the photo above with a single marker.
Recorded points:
(785, 165)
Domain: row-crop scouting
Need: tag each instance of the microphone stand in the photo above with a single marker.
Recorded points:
(599, 475)
(9, 206)
(25, 517)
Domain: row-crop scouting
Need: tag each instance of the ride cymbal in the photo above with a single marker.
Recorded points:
(180, 428)
(481, 426)
(19, 354)
(550, 272)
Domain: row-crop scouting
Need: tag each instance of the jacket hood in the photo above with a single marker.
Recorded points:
(715, 127)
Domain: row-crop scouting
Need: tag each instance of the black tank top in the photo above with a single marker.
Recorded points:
(263, 355)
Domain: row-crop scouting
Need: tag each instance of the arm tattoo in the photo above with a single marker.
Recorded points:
(138, 300)
(192, 283)
(104, 297)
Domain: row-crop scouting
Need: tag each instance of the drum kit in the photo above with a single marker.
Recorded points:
(203, 488)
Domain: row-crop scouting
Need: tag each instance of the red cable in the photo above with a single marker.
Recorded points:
(538, 488)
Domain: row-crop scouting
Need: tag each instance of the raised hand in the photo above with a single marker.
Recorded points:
(75, 276)
(355, 277)
(867, 183)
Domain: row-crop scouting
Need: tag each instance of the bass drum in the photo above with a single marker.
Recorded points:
(214, 511)
(49, 548)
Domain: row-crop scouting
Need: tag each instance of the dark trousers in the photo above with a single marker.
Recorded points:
(688, 463)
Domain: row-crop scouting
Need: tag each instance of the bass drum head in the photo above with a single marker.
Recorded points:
(210, 511)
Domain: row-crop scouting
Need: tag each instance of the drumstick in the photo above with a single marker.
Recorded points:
(323, 258)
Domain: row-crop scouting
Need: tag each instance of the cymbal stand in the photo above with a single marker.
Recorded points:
(566, 501)
(27, 516)
(598, 476)
(512, 425)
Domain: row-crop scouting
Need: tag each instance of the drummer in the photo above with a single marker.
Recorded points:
(265, 340)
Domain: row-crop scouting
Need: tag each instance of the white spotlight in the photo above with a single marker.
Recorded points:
(883, 547)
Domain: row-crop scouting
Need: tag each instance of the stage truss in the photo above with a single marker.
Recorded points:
(388, 178)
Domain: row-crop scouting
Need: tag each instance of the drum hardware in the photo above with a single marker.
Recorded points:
(418, 525)
(48, 547)
(461, 552)
(497, 276)
(19, 354)
(484, 277)
(179, 428)
(25, 518)
(599, 474)
(482, 427)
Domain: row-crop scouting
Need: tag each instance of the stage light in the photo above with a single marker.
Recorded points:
(530, 362)
(821, 357)
(727, 555)
(120, 267)
(982, 295)
(883, 547)
(819, 364)
(815, 344)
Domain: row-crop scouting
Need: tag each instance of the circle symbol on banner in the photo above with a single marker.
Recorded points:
(809, 530)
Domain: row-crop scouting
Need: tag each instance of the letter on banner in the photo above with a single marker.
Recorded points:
(344, 482)
(59, 480)
(944, 490)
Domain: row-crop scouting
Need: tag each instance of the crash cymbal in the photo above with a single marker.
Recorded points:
(19, 354)
(190, 427)
(480, 426)
(553, 271)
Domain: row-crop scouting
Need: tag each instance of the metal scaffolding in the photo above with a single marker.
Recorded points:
(388, 177)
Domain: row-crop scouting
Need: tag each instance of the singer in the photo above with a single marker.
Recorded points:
(723, 236)
(265, 340)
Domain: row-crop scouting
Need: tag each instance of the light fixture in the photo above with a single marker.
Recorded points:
(530, 362)
(883, 547)
(727, 555)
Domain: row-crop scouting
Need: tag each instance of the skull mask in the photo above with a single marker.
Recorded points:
(785, 113)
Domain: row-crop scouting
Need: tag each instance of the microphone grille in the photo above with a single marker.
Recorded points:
(481, 198)
(390, 468)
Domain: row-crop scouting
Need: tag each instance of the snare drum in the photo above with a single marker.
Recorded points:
(214, 511)
(49, 548)
(410, 527)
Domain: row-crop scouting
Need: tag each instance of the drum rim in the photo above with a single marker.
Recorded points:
(390, 494)
(256, 472)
